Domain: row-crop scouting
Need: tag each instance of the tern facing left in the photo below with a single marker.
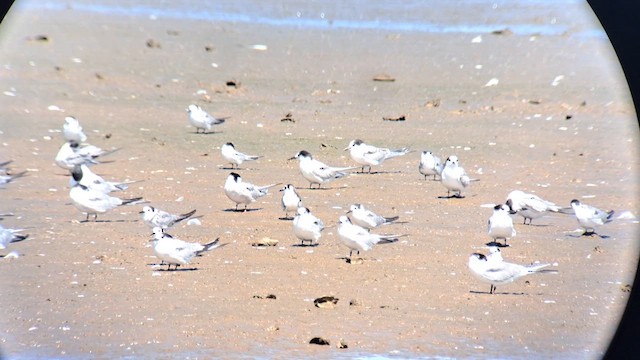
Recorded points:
(529, 206)
(317, 172)
(357, 238)
(178, 252)
(94, 181)
(495, 271)
(8, 236)
(201, 120)
(369, 155)
(307, 227)
(71, 154)
(590, 217)
(155, 217)
(6, 177)
(366, 218)
(234, 157)
(94, 202)
(72, 130)
(500, 224)
(453, 176)
(242, 192)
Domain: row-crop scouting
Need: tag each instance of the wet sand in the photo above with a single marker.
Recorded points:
(95, 288)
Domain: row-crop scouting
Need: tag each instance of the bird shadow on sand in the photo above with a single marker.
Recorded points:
(496, 293)
(207, 133)
(375, 172)
(321, 188)
(286, 218)
(305, 245)
(241, 210)
(497, 244)
(353, 260)
(590, 234)
(235, 168)
(178, 269)
(107, 221)
(454, 196)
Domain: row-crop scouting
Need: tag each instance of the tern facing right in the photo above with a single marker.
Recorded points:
(178, 252)
(590, 217)
(495, 271)
(357, 238)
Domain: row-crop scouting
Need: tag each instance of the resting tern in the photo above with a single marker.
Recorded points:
(369, 155)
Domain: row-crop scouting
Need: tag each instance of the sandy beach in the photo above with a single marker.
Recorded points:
(546, 113)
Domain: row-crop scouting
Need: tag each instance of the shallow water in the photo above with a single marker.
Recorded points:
(532, 17)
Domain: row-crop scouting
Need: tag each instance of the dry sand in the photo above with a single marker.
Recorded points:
(93, 289)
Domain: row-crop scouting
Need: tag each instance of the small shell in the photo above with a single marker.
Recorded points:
(265, 242)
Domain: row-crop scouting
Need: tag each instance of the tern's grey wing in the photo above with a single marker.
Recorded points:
(212, 120)
(164, 218)
(503, 272)
(599, 216)
(375, 218)
(536, 203)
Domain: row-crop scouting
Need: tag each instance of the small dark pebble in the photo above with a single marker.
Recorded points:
(288, 117)
(398, 118)
(153, 44)
(42, 38)
(502, 32)
(568, 117)
(270, 296)
(318, 341)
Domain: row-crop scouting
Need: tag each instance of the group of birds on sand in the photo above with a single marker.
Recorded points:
(492, 268)
(353, 228)
(90, 194)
